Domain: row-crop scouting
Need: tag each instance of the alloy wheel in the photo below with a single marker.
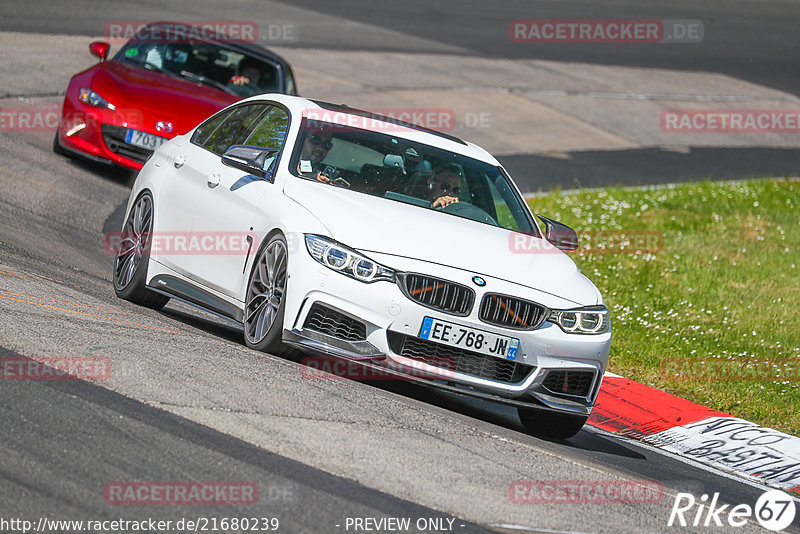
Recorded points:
(134, 241)
(265, 291)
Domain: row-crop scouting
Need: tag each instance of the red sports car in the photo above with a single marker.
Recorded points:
(121, 109)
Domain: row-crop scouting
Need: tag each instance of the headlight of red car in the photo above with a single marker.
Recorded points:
(87, 96)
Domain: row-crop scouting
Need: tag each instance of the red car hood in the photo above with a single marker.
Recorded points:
(145, 97)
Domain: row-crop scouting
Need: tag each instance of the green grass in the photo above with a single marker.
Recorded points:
(724, 288)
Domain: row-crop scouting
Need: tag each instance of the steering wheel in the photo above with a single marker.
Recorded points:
(341, 182)
(469, 211)
(334, 175)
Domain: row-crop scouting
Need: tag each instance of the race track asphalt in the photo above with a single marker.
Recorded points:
(187, 401)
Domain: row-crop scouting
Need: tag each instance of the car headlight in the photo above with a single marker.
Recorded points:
(87, 96)
(346, 260)
(591, 320)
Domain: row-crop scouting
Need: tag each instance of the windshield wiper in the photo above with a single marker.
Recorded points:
(202, 79)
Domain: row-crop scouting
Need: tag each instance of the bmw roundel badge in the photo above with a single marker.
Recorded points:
(480, 282)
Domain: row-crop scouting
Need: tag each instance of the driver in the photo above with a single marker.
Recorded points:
(445, 185)
(246, 82)
(315, 147)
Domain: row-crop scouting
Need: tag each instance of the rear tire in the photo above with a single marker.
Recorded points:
(133, 255)
(551, 425)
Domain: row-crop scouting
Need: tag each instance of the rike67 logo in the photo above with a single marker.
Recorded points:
(774, 510)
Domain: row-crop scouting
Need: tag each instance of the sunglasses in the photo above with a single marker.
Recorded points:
(317, 140)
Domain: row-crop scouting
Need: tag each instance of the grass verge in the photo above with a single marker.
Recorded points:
(703, 284)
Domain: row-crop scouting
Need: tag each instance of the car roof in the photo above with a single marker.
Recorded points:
(344, 108)
(339, 113)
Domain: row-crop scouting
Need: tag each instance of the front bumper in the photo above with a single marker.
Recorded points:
(387, 314)
(94, 133)
(531, 393)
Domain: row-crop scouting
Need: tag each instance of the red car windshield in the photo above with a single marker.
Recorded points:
(205, 63)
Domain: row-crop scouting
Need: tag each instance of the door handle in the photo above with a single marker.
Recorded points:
(178, 161)
(213, 180)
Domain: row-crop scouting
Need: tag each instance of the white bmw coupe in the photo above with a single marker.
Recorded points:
(342, 233)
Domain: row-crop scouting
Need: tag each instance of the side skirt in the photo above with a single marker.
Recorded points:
(179, 289)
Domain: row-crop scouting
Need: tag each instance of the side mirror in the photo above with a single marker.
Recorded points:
(560, 235)
(99, 49)
(253, 159)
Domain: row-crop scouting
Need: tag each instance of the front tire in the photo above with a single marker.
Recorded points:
(265, 302)
(133, 255)
(550, 425)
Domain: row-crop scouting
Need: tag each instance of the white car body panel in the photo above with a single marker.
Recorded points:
(372, 224)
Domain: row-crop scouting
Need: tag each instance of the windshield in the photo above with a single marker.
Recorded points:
(382, 165)
(205, 63)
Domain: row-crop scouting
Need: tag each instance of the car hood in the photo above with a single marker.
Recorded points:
(374, 224)
(150, 96)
